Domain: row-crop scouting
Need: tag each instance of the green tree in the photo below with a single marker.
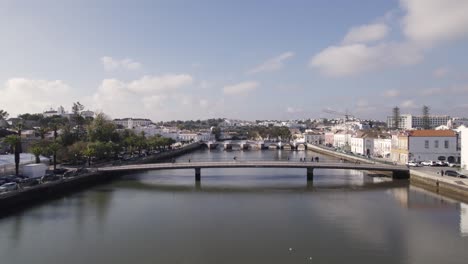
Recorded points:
(102, 129)
(37, 150)
(3, 114)
(89, 153)
(54, 147)
(14, 141)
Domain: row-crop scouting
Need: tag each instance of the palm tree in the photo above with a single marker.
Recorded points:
(54, 147)
(14, 141)
(89, 152)
(37, 151)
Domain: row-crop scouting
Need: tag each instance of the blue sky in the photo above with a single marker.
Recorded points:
(239, 59)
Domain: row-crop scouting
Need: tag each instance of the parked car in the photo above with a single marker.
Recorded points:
(412, 164)
(11, 186)
(454, 174)
(457, 165)
(428, 163)
(441, 163)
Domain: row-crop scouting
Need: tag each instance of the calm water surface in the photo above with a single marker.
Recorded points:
(241, 216)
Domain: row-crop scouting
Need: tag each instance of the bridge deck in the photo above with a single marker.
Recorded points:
(256, 164)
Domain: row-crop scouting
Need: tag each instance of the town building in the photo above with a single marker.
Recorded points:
(463, 132)
(400, 151)
(132, 122)
(383, 146)
(413, 122)
(362, 143)
(341, 139)
(329, 138)
(422, 145)
(313, 137)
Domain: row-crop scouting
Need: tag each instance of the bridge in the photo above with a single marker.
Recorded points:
(398, 172)
(248, 144)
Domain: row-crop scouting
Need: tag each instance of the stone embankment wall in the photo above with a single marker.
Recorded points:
(18, 200)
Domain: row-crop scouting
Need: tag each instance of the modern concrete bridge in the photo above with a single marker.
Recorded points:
(398, 172)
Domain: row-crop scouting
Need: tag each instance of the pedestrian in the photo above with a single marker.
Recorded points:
(316, 159)
(300, 159)
(312, 159)
(189, 160)
(442, 173)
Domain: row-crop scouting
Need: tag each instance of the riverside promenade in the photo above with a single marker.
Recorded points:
(425, 177)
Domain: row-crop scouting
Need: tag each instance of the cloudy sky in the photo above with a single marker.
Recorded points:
(243, 59)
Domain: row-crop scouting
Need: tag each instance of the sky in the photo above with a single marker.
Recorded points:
(243, 59)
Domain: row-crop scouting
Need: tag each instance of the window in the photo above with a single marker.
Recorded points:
(426, 144)
(446, 144)
(436, 143)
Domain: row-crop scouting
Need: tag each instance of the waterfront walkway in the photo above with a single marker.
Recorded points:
(400, 172)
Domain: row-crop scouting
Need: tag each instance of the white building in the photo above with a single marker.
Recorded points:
(312, 137)
(87, 113)
(341, 140)
(363, 143)
(464, 146)
(383, 147)
(433, 145)
(132, 122)
(196, 137)
(413, 121)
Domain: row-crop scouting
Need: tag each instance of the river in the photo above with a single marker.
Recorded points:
(241, 216)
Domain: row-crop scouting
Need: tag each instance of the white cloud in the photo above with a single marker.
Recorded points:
(151, 84)
(240, 88)
(408, 104)
(272, 64)
(203, 103)
(425, 23)
(366, 33)
(357, 58)
(441, 72)
(451, 90)
(431, 21)
(111, 64)
(119, 98)
(392, 93)
(21, 95)
(293, 110)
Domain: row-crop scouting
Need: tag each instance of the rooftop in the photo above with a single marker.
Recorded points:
(432, 133)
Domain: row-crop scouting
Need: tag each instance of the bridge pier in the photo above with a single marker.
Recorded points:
(310, 174)
(197, 174)
(401, 175)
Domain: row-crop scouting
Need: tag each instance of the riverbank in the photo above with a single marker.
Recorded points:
(452, 187)
(456, 188)
(30, 196)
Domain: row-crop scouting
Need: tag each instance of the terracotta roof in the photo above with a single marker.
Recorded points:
(432, 133)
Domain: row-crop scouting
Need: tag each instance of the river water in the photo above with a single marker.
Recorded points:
(241, 216)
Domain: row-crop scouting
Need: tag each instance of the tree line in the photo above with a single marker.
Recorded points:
(78, 139)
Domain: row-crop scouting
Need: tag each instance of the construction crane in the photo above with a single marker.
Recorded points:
(347, 115)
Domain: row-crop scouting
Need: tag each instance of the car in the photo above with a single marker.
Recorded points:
(453, 165)
(428, 163)
(412, 164)
(441, 163)
(11, 186)
(454, 174)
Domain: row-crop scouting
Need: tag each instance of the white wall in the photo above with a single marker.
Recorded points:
(464, 146)
(420, 152)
